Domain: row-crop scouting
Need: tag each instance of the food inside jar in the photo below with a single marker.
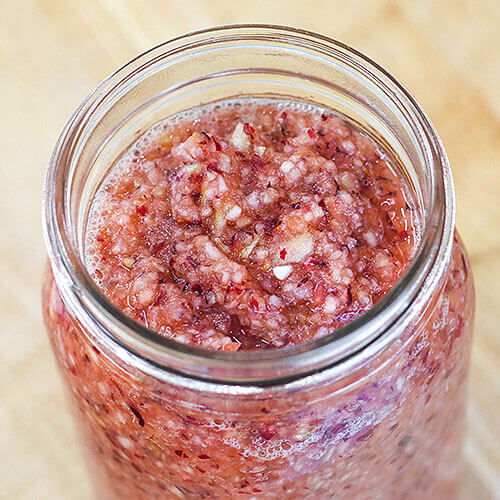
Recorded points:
(251, 224)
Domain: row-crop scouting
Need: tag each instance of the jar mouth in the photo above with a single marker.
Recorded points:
(246, 370)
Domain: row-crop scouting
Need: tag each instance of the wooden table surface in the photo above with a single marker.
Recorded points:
(53, 52)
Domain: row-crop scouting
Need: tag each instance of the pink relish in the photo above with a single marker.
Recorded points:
(251, 226)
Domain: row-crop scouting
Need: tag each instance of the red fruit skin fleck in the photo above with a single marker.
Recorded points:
(254, 303)
(311, 133)
(137, 415)
(349, 296)
(248, 129)
(218, 147)
(312, 263)
(364, 435)
(283, 115)
(141, 209)
(254, 162)
(267, 434)
(212, 167)
(283, 253)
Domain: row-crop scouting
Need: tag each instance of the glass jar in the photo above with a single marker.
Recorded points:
(374, 411)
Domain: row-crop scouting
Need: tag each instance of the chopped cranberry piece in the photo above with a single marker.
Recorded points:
(141, 209)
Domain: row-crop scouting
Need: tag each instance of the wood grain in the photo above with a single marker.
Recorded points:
(53, 52)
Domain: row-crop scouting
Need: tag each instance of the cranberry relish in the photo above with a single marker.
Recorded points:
(250, 224)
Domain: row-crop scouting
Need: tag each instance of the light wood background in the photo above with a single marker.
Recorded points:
(53, 52)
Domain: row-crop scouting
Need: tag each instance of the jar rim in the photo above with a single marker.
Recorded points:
(247, 371)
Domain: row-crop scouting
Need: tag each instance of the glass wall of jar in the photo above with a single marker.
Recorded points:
(374, 410)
